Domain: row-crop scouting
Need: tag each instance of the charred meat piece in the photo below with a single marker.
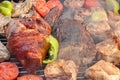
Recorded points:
(26, 40)
(22, 8)
(29, 77)
(4, 53)
(61, 70)
(103, 71)
(52, 16)
(75, 42)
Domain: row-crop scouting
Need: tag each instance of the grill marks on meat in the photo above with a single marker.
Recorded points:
(61, 70)
(103, 70)
(28, 44)
(98, 31)
(75, 42)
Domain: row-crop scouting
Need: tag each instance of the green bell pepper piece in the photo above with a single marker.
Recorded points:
(7, 4)
(5, 11)
(53, 50)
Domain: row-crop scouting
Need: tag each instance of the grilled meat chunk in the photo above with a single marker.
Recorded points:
(3, 21)
(98, 31)
(109, 51)
(26, 40)
(75, 42)
(103, 71)
(21, 8)
(4, 53)
(61, 70)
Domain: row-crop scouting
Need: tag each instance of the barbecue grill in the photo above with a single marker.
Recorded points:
(41, 69)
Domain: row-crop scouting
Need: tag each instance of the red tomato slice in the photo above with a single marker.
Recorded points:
(91, 3)
(55, 3)
(29, 77)
(42, 8)
(8, 71)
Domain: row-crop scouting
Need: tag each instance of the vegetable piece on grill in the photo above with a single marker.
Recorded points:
(41, 8)
(112, 5)
(91, 3)
(21, 8)
(8, 71)
(102, 70)
(5, 11)
(53, 50)
(6, 8)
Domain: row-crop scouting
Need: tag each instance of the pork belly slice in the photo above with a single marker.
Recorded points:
(61, 70)
(109, 51)
(103, 70)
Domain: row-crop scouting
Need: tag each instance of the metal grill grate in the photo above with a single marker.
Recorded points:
(41, 70)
